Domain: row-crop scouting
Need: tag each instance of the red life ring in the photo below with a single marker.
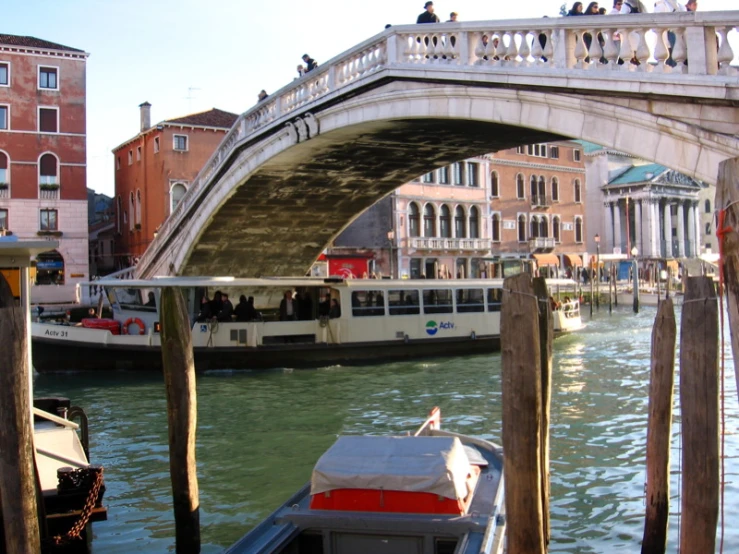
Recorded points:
(137, 321)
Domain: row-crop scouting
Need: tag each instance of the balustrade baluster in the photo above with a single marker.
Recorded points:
(679, 51)
(549, 48)
(581, 51)
(409, 48)
(611, 51)
(725, 53)
(642, 52)
(512, 52)
(627, 51)
(480, 49)
(661, 53)
(595, 52)
(495, 53)
(525, 50)
(537, 50)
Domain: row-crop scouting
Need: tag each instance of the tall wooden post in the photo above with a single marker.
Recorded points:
(546, 338)
(17, 480)
(592, 294)
(179, 378)
(700, 416)
(727, 199)
(610, 292)
(522, 396)
(659, 429)
(614, 272)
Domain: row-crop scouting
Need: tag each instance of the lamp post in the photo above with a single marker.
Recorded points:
(635, 283)
(597, 271)
(390, 238)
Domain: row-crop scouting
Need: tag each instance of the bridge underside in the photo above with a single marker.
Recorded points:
(279, 220)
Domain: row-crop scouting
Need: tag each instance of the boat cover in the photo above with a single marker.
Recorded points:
(437, 465)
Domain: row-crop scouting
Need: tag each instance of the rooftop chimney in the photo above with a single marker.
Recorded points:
(145, 109)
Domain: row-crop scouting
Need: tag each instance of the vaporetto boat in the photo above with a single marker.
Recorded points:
(336, 321)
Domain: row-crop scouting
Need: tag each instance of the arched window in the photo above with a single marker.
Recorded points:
(532, 189)
(131, 210)
(543, 227)
(138, 207)
(460, 229)
(474, 223)
(119, 214)
(578, 230)
(176, 193)
(48, 170)
(522, 228)
(708, 202)
(50, 268)
(578, 192)
(496, 228)
(542, 189)
(555, 189)
(494, 184)
(445, 222)
(429, 221)
(556, 229)
(520, 187)
(414, 220)
(4, 169)
(534, 233)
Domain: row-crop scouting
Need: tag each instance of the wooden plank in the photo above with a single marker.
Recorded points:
(659, 429)
(699, 401)
(179, 378)
(521, 386)
(727, 199)
(546, 338)
(17, 479)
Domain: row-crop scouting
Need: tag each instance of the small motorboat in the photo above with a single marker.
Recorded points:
(433, 492)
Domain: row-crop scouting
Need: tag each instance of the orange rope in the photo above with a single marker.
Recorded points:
(721, 232)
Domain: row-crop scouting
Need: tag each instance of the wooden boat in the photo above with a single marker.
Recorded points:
(435, 492)
(375, 320)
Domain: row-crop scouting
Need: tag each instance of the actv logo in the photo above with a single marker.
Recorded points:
(432, 327)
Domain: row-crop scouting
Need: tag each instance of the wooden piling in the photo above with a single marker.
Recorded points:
(546, 338)
(699, 397)
(592, 293)
(179, 378)
(727, 200)
(610, 292)
(659, 429)
(17, 479)
(522, 415)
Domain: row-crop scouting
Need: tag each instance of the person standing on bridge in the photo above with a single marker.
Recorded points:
(692, 6)
(633, 6)
(453, 17)
(310, 63)
(575, 10)
(428, 16)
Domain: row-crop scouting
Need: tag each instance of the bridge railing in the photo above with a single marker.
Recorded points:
(635, 46)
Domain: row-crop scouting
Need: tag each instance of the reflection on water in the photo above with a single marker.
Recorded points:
(259, 434)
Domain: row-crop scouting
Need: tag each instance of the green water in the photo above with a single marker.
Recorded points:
(259, 434)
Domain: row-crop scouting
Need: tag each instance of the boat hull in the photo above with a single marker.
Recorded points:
(55, 355)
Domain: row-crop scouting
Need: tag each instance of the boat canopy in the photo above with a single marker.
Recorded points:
(437, 465)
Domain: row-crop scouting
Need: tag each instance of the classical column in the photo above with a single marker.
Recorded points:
(667, 234)
(698, 228)
(648, 233)
(637, 226)
(608, 227)
(656, 229)
(616, 225)
(692, 251)
(680, 230)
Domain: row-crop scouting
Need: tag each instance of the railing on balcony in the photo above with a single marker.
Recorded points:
(435, 243)
(541, 244)
(541, 201)
(4, 193)
(52, 194)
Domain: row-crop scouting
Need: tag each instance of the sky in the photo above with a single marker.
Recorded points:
(187, 56)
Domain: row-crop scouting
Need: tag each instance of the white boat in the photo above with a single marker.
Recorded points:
(433, 492)
(337, 321)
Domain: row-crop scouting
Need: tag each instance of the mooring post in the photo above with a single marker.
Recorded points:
(727, 203)
(659, 429)
(699, 397)
(179, 379)
(610, 292)
(546, 338)
(592, 298)
(17, 479)
(615, 285)
(522, 414)
(635, 282)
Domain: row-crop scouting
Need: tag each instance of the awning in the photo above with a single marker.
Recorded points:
(573, 260)
(546, 259)
(673, 265)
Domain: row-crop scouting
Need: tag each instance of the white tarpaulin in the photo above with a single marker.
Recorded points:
(437, 465)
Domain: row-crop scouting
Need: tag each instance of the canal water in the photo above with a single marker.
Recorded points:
(259, 434)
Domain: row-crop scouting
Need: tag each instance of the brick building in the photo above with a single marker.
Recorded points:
(154, 169)
(43, 153)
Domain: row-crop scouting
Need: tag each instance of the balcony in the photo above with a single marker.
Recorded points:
(541, 244)
(48, 191)
(4, 192)
(468, 245)
(541, 201)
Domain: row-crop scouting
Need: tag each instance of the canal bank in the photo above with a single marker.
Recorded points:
(261, 432)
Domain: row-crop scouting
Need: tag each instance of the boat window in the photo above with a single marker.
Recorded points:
(132, 299)
(495, 298)
(368, 303)
(470, 300)
(445, 546)
(403, 302)
(437, 301)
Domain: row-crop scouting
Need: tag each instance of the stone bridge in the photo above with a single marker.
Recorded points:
(299, 167)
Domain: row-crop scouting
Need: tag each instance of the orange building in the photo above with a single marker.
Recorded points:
(154, 169)
(43, 156)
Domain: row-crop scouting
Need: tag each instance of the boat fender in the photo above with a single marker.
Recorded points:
(473, 336)
(137, 321)
(406, 339)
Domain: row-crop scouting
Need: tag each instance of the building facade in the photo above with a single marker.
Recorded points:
(153, 171)
(43, 156)
(458, 221)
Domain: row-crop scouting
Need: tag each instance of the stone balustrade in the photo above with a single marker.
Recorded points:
(458, 244)
(635, 47)
(540, 244)
(4, 193)
(51, 194)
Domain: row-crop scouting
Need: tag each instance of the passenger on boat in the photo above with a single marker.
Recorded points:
(324, 307)
(567, 305)
(204, 314)
(335, 309)
(554, 304)
(305, 307)
(227, 309)
(244, 310)
(288, 308)
(216, 304)
(152, 301)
